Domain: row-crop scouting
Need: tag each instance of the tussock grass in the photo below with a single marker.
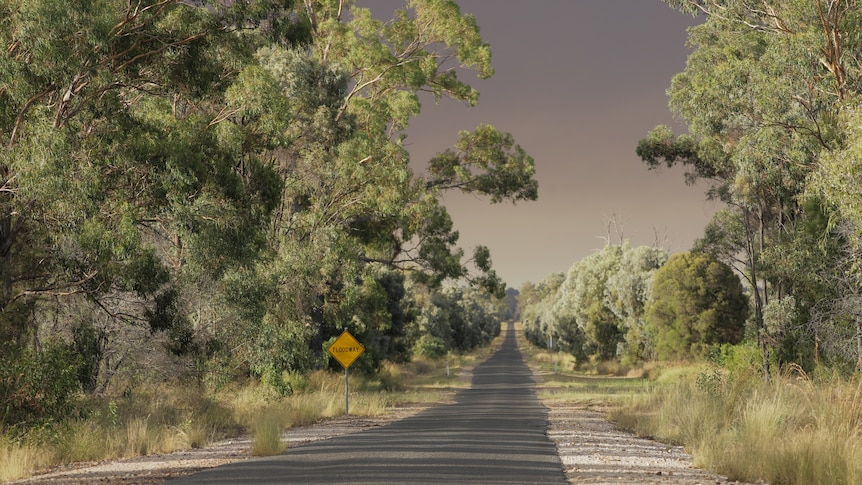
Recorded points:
(794, 430)
(86, 440)
(19, 460)
(267, 429)
(153, 419)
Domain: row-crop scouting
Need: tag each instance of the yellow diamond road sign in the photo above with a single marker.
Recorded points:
(345, 349)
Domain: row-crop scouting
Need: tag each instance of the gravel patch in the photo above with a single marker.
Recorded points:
(593, 451)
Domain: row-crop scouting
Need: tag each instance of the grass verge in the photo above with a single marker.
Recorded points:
(600, 385)
(796, 429)
(155, 419)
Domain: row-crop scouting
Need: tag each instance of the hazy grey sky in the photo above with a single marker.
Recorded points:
(578, 83)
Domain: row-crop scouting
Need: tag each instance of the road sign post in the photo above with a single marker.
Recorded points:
(346, 349)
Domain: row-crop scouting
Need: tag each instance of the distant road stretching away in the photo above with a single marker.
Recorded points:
(494, 433)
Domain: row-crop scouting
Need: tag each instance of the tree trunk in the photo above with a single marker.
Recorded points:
(858, 344)
(756, 291)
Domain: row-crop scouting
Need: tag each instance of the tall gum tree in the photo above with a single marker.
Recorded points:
(86, 199)
(761, 94)
(332, 115)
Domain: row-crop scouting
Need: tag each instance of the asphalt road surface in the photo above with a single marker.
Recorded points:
(493, 433)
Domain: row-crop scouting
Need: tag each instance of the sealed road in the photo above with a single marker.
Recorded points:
(494, 433)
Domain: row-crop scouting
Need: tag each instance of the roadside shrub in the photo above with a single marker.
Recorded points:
(696, 303)
(88, 342)
(38, 386)
(431, 347)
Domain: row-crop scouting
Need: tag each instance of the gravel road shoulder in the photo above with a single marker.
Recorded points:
(594, 451)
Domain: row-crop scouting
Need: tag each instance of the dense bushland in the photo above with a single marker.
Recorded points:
(770, 102)
(209, 192)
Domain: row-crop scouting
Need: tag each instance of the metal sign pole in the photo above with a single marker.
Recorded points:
(345, 350)
(346, 393)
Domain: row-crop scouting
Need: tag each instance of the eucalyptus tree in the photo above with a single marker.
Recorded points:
(582, 305)
(536, 302)
(371, 202)
(113, 178)
(389, 64)
(456, 320)
(125, 200)
(761, 94)
(599, 307)
(627, 293)
(330, 116)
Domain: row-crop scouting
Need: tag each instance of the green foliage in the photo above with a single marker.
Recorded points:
(276, 347)
(537, 320)
(628, 291)
(583, 301)
(88, 343)
(458, 320)
(16, 326)
(228, 183)
(769, 98)
(697, 302)
(431, 347)
(740, 361)
(598, 309)
(115, 189)
(384, 317)
(839, 176)
(486, 162)
(38, 386)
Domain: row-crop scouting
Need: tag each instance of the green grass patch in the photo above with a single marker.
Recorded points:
(591, 389)
(562, 379)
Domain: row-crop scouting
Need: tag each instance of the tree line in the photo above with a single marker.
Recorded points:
(636, 305)
(215, 189)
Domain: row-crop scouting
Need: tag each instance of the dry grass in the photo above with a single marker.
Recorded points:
(267, 429)
(163, 418)
(18, 460)
(794, 430)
